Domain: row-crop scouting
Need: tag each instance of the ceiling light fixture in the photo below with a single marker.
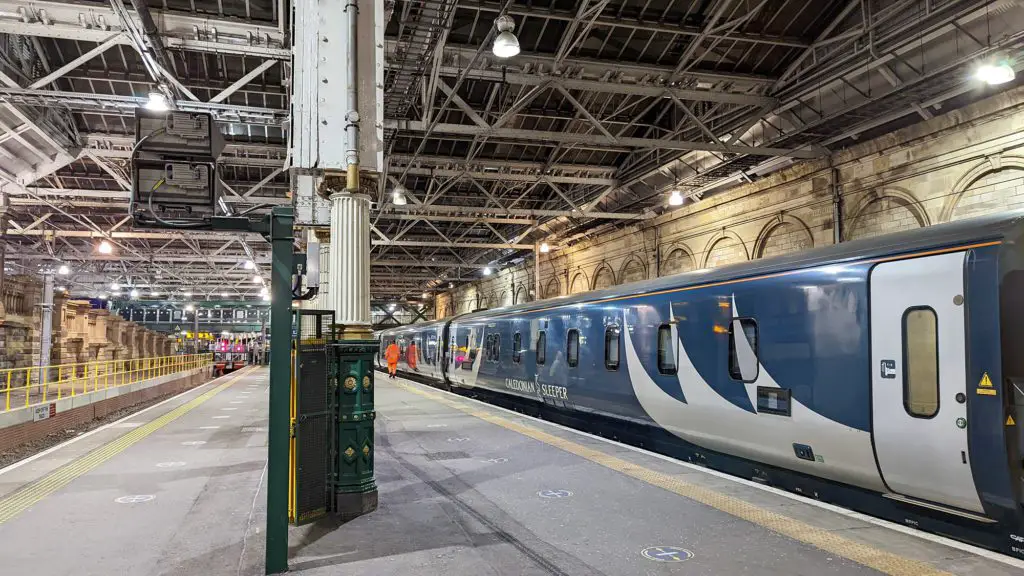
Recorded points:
(154, 292)
(157, 102)
(63, 270)
(257, 279)
(224, 294)
(189, 308)
(105, 247)
(115, 286)
(998, 71)
(266, 297)
(544, 248)
(249, 265)
(398, 196)
(134, 294)
(186, 294)
(487, 271)
(506, 45)
(675, 199)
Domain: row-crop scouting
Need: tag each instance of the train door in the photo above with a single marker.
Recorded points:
(918, 386)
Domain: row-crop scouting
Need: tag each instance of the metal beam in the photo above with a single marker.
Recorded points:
(426, 263)
(593, 139)
(252, 75)
(509, 177)
(481, 211)
(99, 49)
(402, 159)
(442, 244)
(666, 27)
(126, 105)
(96, 22)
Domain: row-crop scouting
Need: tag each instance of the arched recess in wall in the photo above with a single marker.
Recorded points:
(724, 248)
(604, 277)
(993, 185)
(579, 283)
(521, 296)
(632, 270)
(680, 259)
(505, 299)
(782, 235)
(553, 288)
(882, 212)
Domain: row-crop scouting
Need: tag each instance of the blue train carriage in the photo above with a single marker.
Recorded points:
(419, 346)
(884, 375)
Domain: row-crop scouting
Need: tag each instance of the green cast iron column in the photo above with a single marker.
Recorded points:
(355, 489)
(281, 237)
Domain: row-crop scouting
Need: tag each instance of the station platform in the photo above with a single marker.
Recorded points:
(465, 489)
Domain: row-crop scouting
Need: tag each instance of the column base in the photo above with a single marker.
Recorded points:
(351, 505)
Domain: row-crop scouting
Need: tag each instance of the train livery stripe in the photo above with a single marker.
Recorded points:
(884, 562)
(748, 279)
(24, 498)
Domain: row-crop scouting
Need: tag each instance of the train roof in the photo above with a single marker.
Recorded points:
(969, 231)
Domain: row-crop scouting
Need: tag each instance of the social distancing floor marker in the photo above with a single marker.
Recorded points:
(885, 562)
(27, 496)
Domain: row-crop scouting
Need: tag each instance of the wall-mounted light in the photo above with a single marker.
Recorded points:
(544, 248)
(506, 45)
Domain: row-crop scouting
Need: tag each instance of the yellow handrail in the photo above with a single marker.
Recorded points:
(84, 377)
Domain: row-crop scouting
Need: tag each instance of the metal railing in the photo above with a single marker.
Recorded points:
(23, 388)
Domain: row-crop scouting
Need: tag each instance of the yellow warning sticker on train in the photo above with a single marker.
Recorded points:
(986, 382)
(1010, 422)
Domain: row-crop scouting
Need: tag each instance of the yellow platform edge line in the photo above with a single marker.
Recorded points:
(881, 560)
(17, 502)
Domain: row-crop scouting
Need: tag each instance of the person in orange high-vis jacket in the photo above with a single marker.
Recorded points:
(391, 355)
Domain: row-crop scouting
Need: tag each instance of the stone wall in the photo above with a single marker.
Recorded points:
(80, 333)
(964, 163)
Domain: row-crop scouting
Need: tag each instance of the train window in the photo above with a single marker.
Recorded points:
(572, 348)
(542, 348)
(517, 347)
(611, 348)
(921, 362)
(419, 349)
(492, 347)
(666, 350)
(743, 364)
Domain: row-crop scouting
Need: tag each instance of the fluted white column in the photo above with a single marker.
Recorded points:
(349, 272)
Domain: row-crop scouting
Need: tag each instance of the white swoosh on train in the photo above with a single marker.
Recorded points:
(710, 421)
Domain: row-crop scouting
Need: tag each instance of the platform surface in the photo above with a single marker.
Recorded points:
(170, 490)
(465, 489)
(470, 489)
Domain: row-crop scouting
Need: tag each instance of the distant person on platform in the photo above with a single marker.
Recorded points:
(412, 355)
(391, 356)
